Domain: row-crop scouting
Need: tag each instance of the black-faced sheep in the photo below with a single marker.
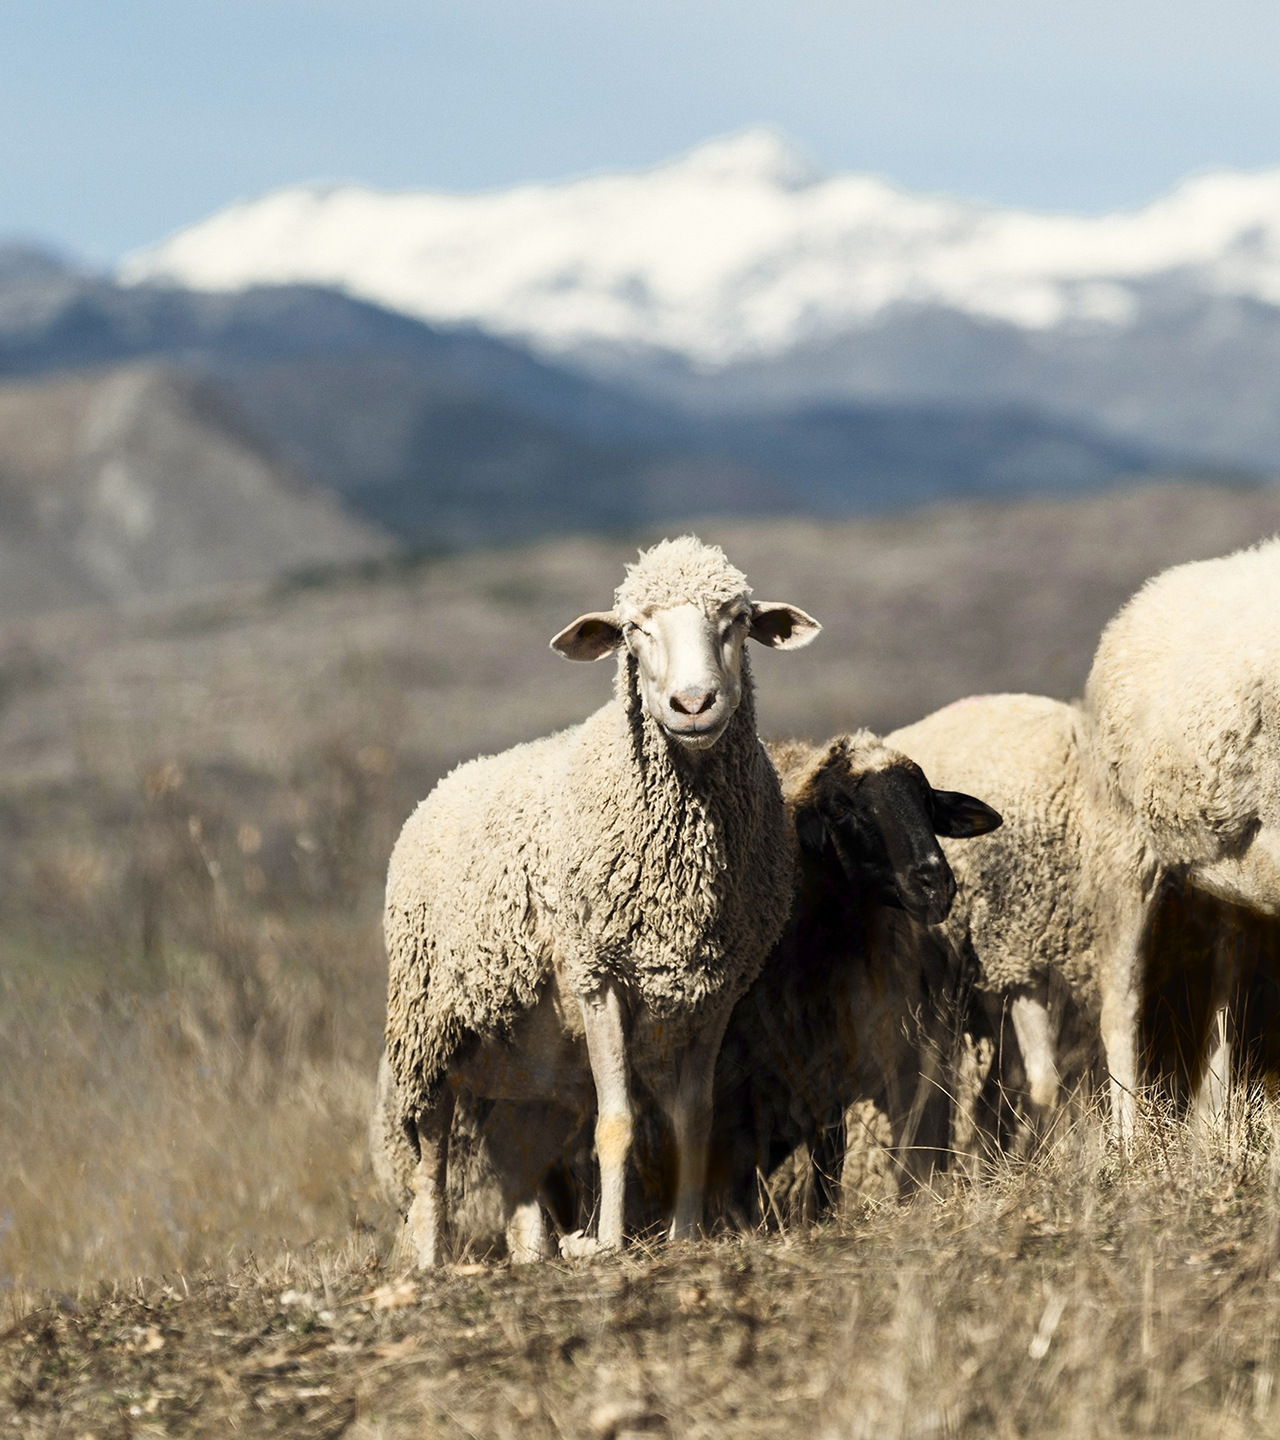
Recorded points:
(592, 904)
(839, 1033)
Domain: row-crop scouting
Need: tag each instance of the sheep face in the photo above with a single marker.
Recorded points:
(881, 824)
(688, 656)
(684, 612)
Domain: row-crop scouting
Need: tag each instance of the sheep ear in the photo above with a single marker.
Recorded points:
(781, 627)
(811, 830)
(960, 817)
(590, 637)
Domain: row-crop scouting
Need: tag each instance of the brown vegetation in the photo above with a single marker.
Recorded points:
(1071, 1297)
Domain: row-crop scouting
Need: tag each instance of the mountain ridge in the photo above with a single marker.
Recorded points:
(737, 250)
(455, 437)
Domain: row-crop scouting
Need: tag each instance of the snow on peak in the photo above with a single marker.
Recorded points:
(759, 154)
(738, 248)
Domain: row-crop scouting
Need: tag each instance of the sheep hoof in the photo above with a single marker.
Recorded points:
(579, 1245)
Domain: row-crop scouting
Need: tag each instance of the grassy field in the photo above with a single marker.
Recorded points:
(196, 806)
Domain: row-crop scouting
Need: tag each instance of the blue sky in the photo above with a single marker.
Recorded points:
(126, 119)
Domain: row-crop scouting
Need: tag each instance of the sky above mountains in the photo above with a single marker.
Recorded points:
(125, 122)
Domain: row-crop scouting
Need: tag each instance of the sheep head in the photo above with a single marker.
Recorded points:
(880, 816)
(684, 612)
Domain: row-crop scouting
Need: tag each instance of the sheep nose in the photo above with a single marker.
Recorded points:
(934, 879)
(693, 702)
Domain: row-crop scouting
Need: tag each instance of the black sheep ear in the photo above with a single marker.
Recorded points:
(961, 817)
(811, 831)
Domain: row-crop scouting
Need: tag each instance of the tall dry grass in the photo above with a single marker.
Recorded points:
(191, 987)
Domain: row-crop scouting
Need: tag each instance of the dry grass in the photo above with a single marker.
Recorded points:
(191, 1246)
(1071, 1296)
(190, 1013)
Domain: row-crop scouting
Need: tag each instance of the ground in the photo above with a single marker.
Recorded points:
(1074, 1295)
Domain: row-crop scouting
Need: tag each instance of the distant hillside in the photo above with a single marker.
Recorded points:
(449, 438)
(136, 482)
(449, 658)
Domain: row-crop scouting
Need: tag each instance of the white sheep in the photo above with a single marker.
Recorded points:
(1036, 900)
(614, 887)
(1184, 703)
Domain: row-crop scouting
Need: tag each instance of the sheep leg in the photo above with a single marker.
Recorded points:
(607, 1050)
(426, 1225)
(1033, 1026)
(527, 1239)
(1120, 1040)
(1120, 1007)
(691, 1113)
(1212, 1093)
(1214, 1088)
(971, 1065)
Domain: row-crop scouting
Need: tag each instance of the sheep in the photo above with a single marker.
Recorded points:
(1184, 703)
(1024, 913)
(611, 889)
(1033, 900)
(836, 1028)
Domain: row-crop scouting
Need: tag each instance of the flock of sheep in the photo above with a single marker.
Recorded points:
(744, 973)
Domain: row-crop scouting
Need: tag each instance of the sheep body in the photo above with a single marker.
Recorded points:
(564, 852)
(1026, 894)
(1184, 702)
(1184, 697)
(1045, 907)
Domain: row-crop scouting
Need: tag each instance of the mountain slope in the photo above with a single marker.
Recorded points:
(138, 482)
(455, 437)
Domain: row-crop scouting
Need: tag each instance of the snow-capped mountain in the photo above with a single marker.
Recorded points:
(735, 252)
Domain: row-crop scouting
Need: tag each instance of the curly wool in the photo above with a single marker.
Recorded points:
(598, 851)
(1184, 696)
(1029, 895)
(800, 764)
(683, 571)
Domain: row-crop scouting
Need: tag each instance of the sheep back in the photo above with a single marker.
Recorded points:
(1024, 900)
